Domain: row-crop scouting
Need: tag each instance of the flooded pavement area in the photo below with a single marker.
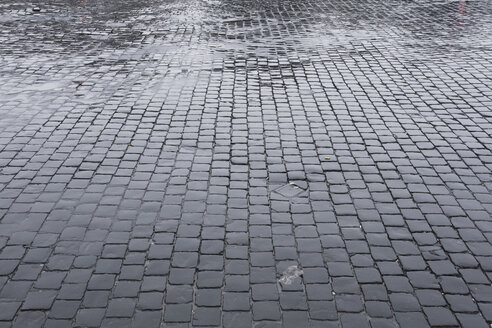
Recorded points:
(317, 163)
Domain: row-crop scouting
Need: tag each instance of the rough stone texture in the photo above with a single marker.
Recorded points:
(167, 161)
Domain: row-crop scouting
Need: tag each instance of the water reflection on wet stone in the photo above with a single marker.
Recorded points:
(245, 163)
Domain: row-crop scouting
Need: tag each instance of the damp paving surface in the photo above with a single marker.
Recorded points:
(223, 163)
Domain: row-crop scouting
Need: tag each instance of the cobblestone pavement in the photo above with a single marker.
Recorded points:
(226, 163)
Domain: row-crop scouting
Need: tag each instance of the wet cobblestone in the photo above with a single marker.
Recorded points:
(164, 163)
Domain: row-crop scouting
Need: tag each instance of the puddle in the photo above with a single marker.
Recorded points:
(39, 87)
(290, 274)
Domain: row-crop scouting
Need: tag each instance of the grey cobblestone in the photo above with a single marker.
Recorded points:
(162, 163)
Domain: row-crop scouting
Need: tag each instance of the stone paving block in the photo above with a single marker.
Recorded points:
(237, 319)
(89, 317)
(151, 319)
(30, 319)
(8, 310)
(39, 300)
(266, 310)
(177, 313)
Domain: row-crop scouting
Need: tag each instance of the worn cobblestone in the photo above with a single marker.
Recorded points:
(163, 163)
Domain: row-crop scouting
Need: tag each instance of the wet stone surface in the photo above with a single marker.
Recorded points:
(164, 163)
